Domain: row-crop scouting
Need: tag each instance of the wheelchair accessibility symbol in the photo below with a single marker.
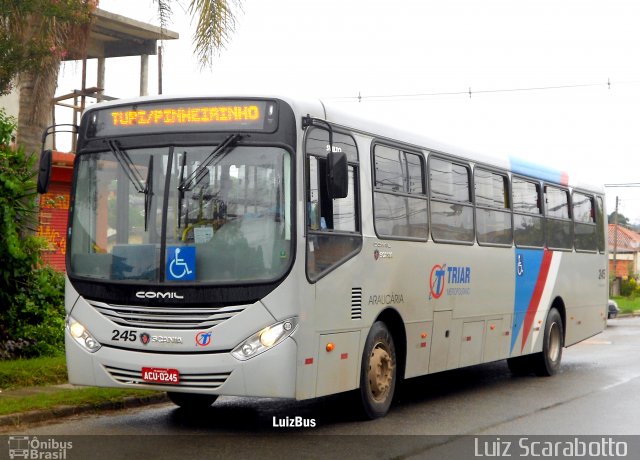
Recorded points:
(520, 265)
(181, 263)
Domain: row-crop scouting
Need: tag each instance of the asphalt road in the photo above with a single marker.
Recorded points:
(594, 397)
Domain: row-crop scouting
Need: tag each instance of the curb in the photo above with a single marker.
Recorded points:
(36, 416)
(635, 314)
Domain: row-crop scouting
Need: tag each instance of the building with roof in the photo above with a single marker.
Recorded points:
(624, 246)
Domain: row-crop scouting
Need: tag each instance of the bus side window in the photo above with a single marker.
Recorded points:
(313, 196)
(451, 206)
(400, 199)
(584, 226)
(528, 223)
(600, 224)
(559, 226)
(493, 209)
(333, 224)
(326, 213)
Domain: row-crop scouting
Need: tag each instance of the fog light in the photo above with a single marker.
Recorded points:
(247, 349)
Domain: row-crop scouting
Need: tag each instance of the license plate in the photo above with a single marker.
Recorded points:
(159, 375)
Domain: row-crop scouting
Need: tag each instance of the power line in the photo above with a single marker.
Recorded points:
(390, 97)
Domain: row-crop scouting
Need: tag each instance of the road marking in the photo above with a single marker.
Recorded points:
(621, 382)
(597, 342)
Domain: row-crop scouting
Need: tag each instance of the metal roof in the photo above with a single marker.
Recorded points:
(113, 35)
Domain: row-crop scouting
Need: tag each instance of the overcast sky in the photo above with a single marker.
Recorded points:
(397, 54)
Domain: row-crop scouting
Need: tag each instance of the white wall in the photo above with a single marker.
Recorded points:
(10, 103)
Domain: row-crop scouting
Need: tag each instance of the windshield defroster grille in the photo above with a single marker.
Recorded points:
(165, 317)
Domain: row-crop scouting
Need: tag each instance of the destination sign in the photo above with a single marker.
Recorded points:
(185, 116)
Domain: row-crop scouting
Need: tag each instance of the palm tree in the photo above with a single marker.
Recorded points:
(215, 24)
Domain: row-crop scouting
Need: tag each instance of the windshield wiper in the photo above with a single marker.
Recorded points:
(181, 192)
(148, 191)
(201, 171)
(127, 165)
(134, 175)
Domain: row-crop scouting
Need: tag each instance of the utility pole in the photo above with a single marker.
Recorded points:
(615, 244)
(159, 69)
(615, 240)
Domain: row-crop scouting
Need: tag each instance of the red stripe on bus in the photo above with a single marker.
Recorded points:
(537, 294)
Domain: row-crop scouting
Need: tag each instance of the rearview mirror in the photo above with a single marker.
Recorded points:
(44, 171)
(337, 174)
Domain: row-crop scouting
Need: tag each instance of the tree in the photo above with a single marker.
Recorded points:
(215, 24)
(622, 220)
(37, 34)
(25, 43)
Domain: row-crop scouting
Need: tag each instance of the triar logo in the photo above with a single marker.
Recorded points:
(437, 281)
(203, 339)
(457, 278)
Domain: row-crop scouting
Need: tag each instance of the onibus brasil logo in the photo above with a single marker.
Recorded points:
(32, 447)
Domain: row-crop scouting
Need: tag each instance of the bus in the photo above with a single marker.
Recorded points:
(283, 248)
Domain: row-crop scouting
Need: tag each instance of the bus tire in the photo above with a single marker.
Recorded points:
(191, 401)
(378, 374)
(547, 363)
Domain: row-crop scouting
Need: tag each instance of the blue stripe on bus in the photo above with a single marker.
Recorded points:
(526, 168)
(527, 271)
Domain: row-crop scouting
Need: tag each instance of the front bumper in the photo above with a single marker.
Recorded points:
(270, 374)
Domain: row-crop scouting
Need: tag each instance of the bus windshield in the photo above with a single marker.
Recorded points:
(181, 214)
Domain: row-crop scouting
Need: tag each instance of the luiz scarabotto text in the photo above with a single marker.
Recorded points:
(591, 447)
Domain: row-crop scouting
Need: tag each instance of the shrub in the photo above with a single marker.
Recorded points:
(19, 249)
(628, 287)
(31, 297)
(37, 315)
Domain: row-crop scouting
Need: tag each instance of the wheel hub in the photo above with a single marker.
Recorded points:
(380, 373)
(554, 342)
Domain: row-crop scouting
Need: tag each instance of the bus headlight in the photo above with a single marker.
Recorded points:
(266, 338)
(82, 336)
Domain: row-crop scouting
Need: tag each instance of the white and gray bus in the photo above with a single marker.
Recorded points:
(275, 247)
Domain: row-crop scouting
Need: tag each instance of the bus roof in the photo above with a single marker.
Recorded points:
(366, 125)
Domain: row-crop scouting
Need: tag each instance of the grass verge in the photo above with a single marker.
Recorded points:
(628, 304)
(44, 400)
(21, 373)
(31, 384)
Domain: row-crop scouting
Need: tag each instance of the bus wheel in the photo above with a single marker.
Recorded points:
(547, 363)
(191, 401)
(378, 372)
